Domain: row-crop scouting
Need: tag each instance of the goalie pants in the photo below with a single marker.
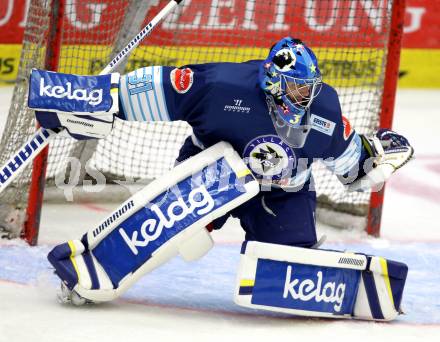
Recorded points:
(275, 216)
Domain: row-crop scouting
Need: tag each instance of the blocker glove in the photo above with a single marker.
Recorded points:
(79, 127)
(84, 105)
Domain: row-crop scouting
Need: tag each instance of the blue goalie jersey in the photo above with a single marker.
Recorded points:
(224, 102)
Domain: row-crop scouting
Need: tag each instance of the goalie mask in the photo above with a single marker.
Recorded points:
(291, 79)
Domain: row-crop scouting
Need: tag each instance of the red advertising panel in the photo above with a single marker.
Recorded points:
(422, 24)
(319, 21)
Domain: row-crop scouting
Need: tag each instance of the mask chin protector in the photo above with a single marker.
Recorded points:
(293, 132)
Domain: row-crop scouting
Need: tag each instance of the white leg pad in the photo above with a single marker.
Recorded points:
(319, 283)
(166, 218)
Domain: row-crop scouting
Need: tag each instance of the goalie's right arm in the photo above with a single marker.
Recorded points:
(84, 105)
(161, 93)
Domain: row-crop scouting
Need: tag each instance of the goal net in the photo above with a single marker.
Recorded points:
(350, 38)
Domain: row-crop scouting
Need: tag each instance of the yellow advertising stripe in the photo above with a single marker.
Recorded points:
(247, 282)
(341, 67)
(419, 68)
(383, 264)
(72, 257)
(9, 61)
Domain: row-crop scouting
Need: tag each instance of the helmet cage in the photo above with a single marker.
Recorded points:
(298, 92)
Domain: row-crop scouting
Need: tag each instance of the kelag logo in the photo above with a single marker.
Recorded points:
(305, 287)
(199, 198)
(91, 96)
(314, 289)
(154, 222)
(69, 93)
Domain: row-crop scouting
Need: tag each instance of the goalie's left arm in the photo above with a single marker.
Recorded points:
(362, 162)
(386, 152)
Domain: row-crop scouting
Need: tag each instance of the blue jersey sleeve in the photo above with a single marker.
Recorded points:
(160, 93)
(345, 152)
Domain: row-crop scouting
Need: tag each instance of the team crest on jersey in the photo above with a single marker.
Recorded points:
(182, 79)
(269, 157)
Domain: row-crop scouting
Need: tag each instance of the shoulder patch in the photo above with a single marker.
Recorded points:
(182, 79)
(347, 127)
(322, 125)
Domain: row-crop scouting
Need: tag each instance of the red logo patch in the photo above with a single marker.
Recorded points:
(182, 79)
(347, 127)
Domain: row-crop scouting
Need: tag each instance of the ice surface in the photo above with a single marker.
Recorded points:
(193, 301)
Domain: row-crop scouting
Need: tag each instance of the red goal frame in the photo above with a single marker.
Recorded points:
(388, 101)
(36, 188)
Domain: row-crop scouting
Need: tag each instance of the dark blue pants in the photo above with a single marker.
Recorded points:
(275, 216)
